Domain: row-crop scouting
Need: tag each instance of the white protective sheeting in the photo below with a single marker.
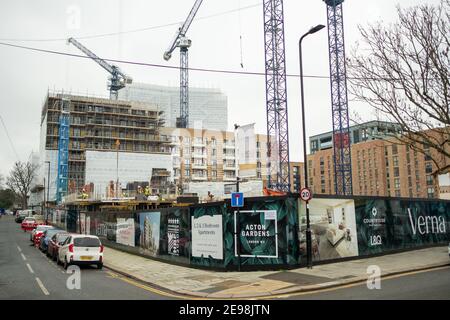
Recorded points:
(101, 167)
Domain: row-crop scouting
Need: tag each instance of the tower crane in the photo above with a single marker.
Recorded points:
(182, 42)
(339, 99)
(276, 97)
(116, 81)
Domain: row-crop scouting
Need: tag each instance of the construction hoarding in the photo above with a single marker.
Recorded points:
(270, 232)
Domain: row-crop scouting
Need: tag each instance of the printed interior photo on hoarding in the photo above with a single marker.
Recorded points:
(333, 229)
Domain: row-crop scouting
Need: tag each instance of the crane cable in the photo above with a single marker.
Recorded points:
(240, 32)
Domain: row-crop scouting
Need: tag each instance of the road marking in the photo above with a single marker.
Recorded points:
(41, 285)
(29, 268)
(287, 295)
(150, 289)
(18, 248)
(23, 257)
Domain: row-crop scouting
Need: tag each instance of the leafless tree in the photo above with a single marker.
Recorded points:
(20, 179)
(402, 71)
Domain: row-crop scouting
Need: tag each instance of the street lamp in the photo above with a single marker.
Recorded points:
(48, 189)
(308, 226)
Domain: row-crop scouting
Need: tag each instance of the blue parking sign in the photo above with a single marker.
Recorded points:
(237, 199)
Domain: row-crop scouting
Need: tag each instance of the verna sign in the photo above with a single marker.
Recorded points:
(427, 224)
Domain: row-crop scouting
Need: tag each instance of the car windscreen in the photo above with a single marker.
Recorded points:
(29, 220)
(86, 242)
(62, 237)
(50, 232)
(42, 228)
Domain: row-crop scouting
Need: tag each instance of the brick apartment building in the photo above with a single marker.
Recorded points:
(380, 167)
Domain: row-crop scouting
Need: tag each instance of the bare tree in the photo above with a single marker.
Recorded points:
(20, 179)
(402, 71)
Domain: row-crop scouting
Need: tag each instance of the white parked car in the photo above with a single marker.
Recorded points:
(81, 249)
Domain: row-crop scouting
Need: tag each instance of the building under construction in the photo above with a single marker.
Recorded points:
(108, 140)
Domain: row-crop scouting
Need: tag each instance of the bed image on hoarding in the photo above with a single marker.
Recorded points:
(333, 229)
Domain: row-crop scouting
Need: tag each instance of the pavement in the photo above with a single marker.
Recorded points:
(198, 283)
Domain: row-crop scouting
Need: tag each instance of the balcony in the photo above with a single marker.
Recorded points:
(176, 165)
(229, 146)
(198, 144)
(199, 166)
(228, 156)
(225, 178)
(199, 178)
(199, 155)
(229, 168)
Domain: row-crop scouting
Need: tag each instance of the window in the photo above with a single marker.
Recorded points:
(86, 242)
(396, 172)
(187, 172)
(187, 161)
(364, 134)
(429, 180)
(394, 149)
(428, 167)
(395, 160)
(430, 192)
(214, 152)
(397, 193)
(397, 183)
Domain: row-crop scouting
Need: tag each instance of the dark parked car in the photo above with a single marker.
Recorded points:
(55, 243)
(46, 236)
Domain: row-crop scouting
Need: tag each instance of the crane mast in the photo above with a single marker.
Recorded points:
(276, 97)
(181, 41)
(339, 99)
(117, 80)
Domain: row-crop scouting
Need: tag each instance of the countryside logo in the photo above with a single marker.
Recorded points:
(374, 211)
(374, 221)
(427, 224)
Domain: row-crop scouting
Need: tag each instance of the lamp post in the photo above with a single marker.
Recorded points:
(308, 226)
(48, 190)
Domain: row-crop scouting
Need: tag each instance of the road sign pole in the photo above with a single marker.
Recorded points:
(308, 238)
(238, 229)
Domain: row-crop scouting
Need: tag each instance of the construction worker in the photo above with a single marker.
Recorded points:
(84, 195)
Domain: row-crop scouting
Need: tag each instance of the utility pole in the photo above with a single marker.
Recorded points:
(117, 167)
(48, 187)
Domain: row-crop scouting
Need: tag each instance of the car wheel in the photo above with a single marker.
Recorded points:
(66, 264)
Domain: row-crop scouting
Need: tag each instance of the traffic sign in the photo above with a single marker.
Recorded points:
(305, 194)
(237, 199)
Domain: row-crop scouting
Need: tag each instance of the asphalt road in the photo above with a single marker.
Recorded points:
(425, 285)
(26, 273)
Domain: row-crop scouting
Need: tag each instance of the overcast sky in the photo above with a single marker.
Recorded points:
(26, 75)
